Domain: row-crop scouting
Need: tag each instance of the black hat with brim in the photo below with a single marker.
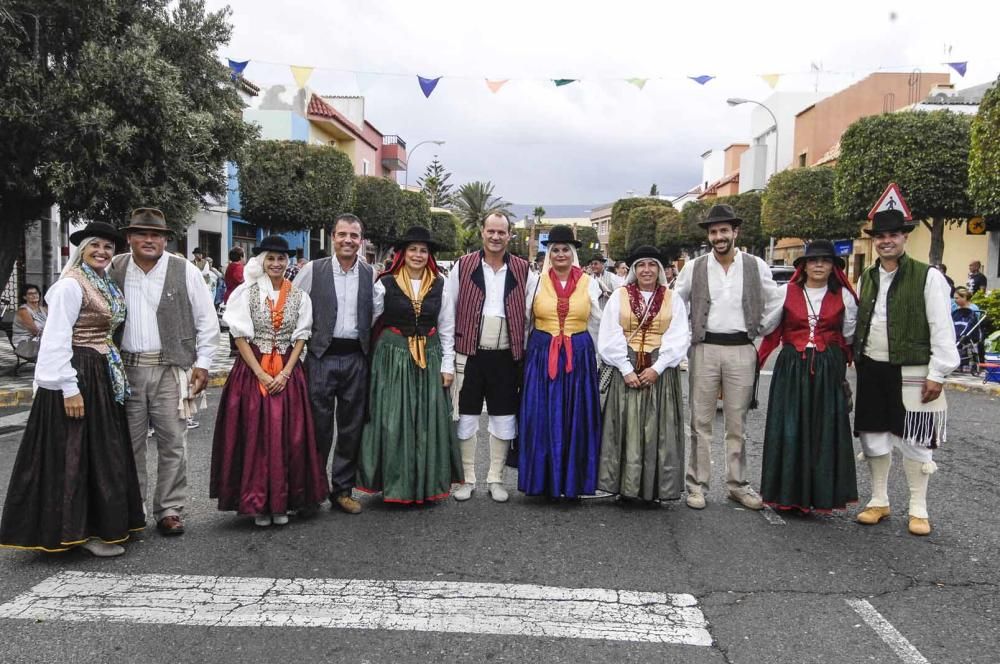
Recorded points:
(101, 230)
(889, 221)
(719, 214)
(273, 243)
(820, 249)
(644, 251)
(416, 234)
(562, 235)
(597, 257)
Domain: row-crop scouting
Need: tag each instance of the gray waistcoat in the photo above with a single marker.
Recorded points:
(174, 317)
(701, 298)
(324, 305)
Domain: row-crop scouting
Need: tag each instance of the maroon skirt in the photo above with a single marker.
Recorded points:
(264, 458)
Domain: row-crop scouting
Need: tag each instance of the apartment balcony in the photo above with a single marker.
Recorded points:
(393, 153)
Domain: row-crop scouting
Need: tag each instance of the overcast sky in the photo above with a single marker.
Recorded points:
(589, 142)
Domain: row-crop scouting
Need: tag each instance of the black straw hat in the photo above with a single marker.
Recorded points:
(721, 214)
(562, 235)
(820, 249)
(101, 230)
(644, 251)
(275, 243)
(416, 234)
(889, 221)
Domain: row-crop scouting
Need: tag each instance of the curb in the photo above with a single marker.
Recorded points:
(980, 387)
(24, 395)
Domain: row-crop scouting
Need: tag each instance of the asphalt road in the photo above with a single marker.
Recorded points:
(770, 591)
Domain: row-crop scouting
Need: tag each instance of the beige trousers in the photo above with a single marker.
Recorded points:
(711, 367)
(153, 402)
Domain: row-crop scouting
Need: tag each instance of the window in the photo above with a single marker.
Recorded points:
(802, 160)
(364, 167)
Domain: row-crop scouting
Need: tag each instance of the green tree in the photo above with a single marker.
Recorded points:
(289, 185)
(590, 246)
(653, 191)
(984, 155)
(538, 214)
(444, 229)
(671, 235)
(926, 154)
(115, 105)
(414, 210)
(618, 233)
(475, 201)
(642, 223)
(798, 203)
(379, 204)
(435, 186)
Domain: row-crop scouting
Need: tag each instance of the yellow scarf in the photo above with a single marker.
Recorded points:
(418, 344)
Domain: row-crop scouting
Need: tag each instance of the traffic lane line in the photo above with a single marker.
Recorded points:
(896, 641)
(471, 608)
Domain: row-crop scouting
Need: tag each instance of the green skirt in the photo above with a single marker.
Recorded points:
(642, 441)
(808, 450)
(409, 451)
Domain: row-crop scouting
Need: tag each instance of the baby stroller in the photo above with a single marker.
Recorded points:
(969, 328)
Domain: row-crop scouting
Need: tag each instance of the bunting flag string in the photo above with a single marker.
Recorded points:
(771, 79)
(958, 67)
(427, 85)
(701, 80)
(301, 75)
(365, 81)
(495, 86)
(563, 81)
(236, 68)
(637, 82)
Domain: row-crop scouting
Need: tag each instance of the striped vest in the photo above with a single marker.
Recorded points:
(472, 296)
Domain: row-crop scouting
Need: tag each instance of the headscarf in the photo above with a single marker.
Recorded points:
(417, 343)
(661, 277)
(116, 305)
(645, 312)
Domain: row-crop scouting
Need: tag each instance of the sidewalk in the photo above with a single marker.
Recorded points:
(16, 390)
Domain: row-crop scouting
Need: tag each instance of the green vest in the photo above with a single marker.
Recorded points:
(909, 333)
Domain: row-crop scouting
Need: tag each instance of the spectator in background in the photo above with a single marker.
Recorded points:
(621, 269)
(28, 322)
(198, 258)
(234, 271)
(294, 267)
(670, 273)
(977, 280)
(943, 269)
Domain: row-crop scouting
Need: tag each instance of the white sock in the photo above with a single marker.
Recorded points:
(918, 474)
(468, 446)
(879, 467)
(498, 459)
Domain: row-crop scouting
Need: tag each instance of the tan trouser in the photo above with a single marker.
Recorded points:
(712, 367)
(153, 402)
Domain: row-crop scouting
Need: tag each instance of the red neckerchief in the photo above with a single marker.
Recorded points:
(563, 293)
(638, 305)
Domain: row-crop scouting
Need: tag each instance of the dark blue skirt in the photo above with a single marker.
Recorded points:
(559, 425)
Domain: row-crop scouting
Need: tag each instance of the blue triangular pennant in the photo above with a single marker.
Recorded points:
(427, 85)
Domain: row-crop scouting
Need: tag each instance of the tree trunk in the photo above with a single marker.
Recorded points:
(11, 239)
(937, 241)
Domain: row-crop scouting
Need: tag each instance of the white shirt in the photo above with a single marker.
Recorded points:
(725, 289)
(54, 370)
(142, 296)
(345, 285)
(937, 305)
(612, 345)
(495, 283)
(240, 323)
(816, 295)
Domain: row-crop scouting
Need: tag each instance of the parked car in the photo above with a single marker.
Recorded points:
(782, 274)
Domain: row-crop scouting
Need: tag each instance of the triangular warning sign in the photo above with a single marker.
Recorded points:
(891, 199)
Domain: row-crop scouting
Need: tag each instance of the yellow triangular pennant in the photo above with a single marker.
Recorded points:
(301, 74)
(771, 79)
(637, 82)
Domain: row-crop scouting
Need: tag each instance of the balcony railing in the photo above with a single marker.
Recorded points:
(394, 140)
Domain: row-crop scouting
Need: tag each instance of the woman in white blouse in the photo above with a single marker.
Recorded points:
(74, 481)
(644, 336)
(264, 457)
(808, 452)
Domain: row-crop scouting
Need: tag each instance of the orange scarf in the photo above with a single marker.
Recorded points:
(272, 364)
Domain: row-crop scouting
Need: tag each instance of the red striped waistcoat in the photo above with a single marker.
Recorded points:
(472, 296)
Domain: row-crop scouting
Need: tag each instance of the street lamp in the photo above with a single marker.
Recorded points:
(406, 180)
(736, 101)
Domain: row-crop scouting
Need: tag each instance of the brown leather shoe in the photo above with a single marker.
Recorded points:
(920, 526)
(872, 515)
(347, 504)
(170, 525)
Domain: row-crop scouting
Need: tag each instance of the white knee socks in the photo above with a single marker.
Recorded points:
(918, 474)
(498, 459)
(468, 446)
(879, 467)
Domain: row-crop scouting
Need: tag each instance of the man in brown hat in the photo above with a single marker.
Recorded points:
(728, 293)
(170, 336)
(904, 347)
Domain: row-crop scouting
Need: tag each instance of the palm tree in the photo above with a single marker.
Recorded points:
(475, 201)
(539, 213)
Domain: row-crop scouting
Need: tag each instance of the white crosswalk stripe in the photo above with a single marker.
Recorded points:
(426, 606)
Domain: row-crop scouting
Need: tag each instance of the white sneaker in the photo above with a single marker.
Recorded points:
(192, 423)
(102, 549)
(748, 498)
(464, 491)
(279, 519)
(498, 493)
(695, 501)
(150, 432)
(263, 520)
